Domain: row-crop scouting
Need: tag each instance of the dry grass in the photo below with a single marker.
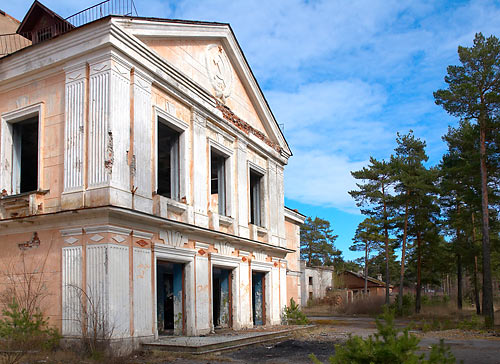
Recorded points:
(370, 305)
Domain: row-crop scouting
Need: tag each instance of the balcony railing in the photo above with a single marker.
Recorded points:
(10, 43)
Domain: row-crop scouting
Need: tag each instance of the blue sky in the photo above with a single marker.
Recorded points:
(342, 76)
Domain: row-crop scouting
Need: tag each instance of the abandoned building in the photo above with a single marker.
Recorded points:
(316, 281)
(355, 282)
(140, 156)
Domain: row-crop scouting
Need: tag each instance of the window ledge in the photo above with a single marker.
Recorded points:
(261, 231)
(23, 204)
(175, 206)
(225, 220)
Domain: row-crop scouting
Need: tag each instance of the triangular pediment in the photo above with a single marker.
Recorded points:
(209, 54)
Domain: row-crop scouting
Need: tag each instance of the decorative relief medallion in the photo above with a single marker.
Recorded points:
(219, 71)
(224, 248)
(260, 256)
(173, 238)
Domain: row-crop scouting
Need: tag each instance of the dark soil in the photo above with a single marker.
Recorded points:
(290, 351)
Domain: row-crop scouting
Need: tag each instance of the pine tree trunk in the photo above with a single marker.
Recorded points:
(403, 255)
(474, 277)
(459, 267)
(366, 269)
(459, 281)
(386, 233)
(488, 313)
(419, 274)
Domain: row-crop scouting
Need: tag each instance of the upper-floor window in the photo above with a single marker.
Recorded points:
(25, 155)
(255, 198)
(168, 161)
(218, 180)
(20, 150)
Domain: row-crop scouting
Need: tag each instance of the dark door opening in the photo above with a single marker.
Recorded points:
(170, 298)
(258, 298)
(222, 297)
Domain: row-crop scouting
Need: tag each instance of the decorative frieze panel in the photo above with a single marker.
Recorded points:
(224, 248)
(100, 151)
(260, 256)
(142, 292)
(118, 143)
(141, 165)
(74, 131)
(108, 286)
(71, 290)
(173, 238)
(109, 122)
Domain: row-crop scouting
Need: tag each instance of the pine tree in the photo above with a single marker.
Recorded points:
(474, 94)
(409, 172)
(367, 239)
(317, 243)
(373, 195)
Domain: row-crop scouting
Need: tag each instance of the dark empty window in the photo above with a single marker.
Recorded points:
(310, 281)
(218, 180)
(255, 198)
(25, 155)
(168, 161)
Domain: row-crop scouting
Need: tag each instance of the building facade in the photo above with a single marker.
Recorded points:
(141, 163)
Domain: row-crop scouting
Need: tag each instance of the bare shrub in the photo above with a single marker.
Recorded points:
(23, 326)
(94, 322)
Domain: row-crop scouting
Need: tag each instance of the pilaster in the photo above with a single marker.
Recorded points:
(74, 135)
(242, 193)
(200, 173)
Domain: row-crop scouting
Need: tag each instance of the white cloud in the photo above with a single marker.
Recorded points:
(322, 179)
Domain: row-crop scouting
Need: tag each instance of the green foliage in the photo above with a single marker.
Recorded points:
(388, 345)
(292, 315)
(317, 243)
(21, 330)
(473, 323)
(407, 305)
(473, 94)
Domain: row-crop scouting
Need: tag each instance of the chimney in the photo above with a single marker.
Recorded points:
(379, 276)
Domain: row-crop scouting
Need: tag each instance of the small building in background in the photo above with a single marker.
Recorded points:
(355, 282)
(316, 282)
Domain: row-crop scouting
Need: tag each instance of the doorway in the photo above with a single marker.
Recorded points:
(222, 297)
(170, 298)
(258, 298)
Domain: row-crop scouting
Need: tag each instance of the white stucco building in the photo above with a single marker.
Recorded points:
(141, 155)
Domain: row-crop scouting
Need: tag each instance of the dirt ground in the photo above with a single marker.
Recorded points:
(471, 347)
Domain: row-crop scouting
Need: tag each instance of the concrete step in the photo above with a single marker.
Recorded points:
(211, 344)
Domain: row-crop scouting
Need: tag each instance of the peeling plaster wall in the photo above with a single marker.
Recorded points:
(49, 91)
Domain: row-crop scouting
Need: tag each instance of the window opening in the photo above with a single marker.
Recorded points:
(310, 281)
(218, 181)
(25, 155)
(168, 161)
(255, 198)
